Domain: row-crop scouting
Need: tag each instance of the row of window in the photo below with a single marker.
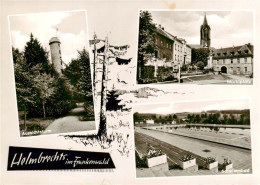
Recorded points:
(232, 53)
(164, 44)
(177, 47)
(231, 61)
(238, 69)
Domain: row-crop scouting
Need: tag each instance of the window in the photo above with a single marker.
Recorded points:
(175, 57)
(231, 61)
(238, 68)
(245, 69)
(238, 60)
(156, 53)
(167, 45)
(223, 61)
(161, 43)
(245, 60)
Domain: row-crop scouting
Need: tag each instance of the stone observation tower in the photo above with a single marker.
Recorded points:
(56, 54)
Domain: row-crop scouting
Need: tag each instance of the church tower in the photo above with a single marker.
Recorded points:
(56, 54)
(205, 33)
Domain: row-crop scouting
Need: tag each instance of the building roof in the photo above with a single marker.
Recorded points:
(54, 39)
(164, 33)
(235, 51)
(188, 46)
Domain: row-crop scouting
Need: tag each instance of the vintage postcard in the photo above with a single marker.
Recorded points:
(109, 90)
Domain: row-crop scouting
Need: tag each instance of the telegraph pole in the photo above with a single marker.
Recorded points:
(102, 131)
(94, 65)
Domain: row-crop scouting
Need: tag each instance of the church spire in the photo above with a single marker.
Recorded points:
(205, 22)
(205, 33)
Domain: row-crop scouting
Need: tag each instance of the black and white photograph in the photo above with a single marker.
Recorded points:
(193, 138)
(195, 47)
(52, 73)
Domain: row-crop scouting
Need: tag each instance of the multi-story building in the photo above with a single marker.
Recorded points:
(232, 60)
(181, 52)
(163, 44)
(170, 50)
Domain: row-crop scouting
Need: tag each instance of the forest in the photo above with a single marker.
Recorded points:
(210, 117)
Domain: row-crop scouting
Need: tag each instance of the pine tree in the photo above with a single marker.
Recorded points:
(34, 53)
(113, 101)
(85, 84)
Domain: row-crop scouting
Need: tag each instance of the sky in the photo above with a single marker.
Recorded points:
(72, 31)
(196, 106)
(228, 28)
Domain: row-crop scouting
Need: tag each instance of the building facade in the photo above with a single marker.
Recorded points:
(170, 50)
(56, 54)
(232, 60)
(163, 44)
(181, 52)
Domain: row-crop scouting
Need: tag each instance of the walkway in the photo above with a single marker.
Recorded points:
(70, 123)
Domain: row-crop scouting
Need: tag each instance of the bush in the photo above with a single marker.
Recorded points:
(89, 108)
(147, 72)
(169, 78)
(61, 108)
(147, 81)
(140, 163)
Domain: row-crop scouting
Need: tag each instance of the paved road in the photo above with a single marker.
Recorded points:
(240, 157)
(70, 123)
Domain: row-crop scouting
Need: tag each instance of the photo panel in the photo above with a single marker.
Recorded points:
(191, 138)
(52, 73)
(195, 47)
